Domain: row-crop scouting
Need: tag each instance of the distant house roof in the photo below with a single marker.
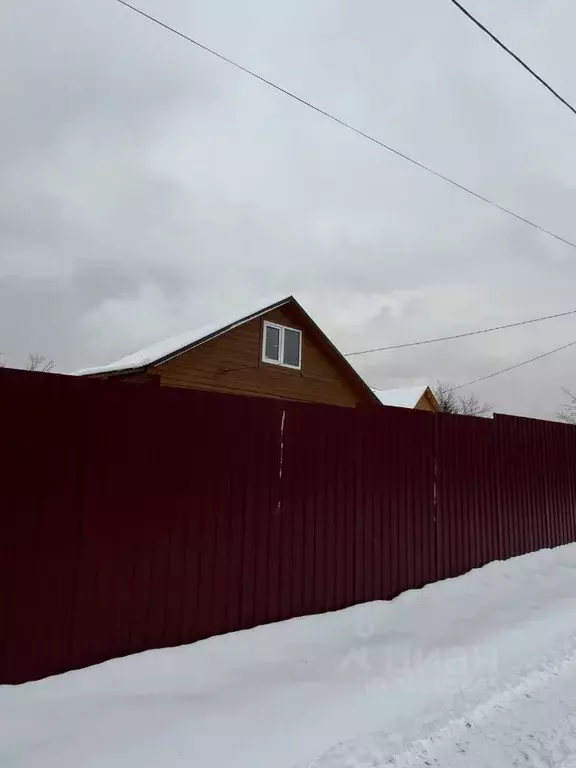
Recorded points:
(408, 397)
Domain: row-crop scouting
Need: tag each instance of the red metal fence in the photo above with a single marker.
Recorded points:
(134, 518)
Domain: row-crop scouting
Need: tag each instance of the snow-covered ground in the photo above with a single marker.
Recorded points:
(476, 671)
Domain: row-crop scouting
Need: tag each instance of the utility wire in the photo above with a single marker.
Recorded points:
(344, 124)
(518, 365)
(511, 53)
(461, 335)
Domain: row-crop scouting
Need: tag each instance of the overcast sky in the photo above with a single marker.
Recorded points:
(146, 187)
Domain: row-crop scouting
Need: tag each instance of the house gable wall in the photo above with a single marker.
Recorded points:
(232, 363)
(426, 403)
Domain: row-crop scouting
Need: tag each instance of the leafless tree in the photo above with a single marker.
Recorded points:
(38, 362)
(35, 362)
(568, 411)
(451, 401)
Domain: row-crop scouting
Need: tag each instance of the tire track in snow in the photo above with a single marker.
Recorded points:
(532, 723)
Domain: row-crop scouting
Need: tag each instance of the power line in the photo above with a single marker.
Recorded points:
(344, 124)
(518, 365)
(511, 53)
(461, 335)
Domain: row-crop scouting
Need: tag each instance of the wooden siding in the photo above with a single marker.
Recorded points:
(425, 404)
(232, 363)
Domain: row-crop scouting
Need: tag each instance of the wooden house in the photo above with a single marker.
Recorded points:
(276, 351)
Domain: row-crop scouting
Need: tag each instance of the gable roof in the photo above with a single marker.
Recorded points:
(165, 350)
(408, 397)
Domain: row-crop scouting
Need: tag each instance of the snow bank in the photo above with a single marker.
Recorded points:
(443, 675)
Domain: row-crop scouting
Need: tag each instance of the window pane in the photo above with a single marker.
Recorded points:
(272, 343)
(291, 347)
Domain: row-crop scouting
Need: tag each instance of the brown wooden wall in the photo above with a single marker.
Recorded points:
(232, 363)
(424, 404)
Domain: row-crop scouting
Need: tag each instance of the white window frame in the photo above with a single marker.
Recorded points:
(280, 362)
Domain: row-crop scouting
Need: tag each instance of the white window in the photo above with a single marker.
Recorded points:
(282, 346)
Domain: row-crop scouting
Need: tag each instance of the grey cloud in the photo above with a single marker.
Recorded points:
(145, 185)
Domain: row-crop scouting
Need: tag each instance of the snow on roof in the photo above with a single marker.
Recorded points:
(401, 398)
(163, 349)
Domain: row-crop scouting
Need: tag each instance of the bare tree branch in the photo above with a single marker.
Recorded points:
(38, 362)
(568, 411)
(450, 401)
(35, 362)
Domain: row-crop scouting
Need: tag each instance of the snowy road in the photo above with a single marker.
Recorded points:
(531, 724)
(476, 671)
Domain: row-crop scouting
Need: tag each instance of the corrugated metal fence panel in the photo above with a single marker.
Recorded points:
(401, 480)
(528, 456)
(466, 493)
(39, 528)
(134, 517)
(168, 506)
(559, 453)
(357, 506)
(318, 551)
